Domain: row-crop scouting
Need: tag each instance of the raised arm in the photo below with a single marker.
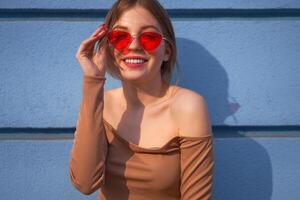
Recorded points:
(89, 150)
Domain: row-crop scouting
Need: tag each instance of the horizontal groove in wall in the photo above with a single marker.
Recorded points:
(218, 132)
(174, 13)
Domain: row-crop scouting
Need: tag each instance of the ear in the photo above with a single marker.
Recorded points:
(167, 52)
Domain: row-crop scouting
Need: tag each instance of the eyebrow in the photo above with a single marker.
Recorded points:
(144, 27)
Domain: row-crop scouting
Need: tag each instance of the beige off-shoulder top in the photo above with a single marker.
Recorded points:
(102, 160)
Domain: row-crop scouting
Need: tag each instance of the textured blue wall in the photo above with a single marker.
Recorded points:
(246, 168)
(242, 56)
(178, 4)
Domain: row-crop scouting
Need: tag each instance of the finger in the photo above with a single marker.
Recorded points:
(92, 40)
(88, 44)
(98, 38)
(100, 34)
(97, 31)
(100, 28)
(99, 50)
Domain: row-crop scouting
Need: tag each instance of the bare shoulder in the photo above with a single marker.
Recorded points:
(189, 110)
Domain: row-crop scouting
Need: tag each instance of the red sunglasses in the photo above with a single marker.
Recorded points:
(122, 39)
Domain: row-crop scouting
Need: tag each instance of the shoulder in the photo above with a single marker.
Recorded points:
(189, 110)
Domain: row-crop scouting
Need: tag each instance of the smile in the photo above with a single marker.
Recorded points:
(134, 61)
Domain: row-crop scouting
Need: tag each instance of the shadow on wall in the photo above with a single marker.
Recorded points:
(242, 166)
(200, 71)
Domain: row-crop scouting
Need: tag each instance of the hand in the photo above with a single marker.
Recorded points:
(92, 63)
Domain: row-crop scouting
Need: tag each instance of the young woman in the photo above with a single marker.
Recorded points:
(147, 139)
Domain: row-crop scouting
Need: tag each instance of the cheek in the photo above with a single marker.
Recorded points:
(159, 55)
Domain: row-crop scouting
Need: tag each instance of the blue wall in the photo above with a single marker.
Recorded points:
(242, 56)
(246, 168)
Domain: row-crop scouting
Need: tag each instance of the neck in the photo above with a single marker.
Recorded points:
(138, 95)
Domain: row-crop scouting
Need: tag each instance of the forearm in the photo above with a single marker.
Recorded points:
(88, 154)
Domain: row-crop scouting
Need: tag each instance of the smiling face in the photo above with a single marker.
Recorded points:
(135, 63)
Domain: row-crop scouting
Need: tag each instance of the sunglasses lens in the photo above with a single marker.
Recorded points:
(150, 40)
(119, 39)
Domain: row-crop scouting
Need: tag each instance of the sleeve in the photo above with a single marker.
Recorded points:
(197, 165)
(89, 150)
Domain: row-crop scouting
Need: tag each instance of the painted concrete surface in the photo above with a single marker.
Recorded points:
(247, 70)
(246, 168)
(186, 4)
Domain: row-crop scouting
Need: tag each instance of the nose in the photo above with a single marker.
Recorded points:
(135, 44)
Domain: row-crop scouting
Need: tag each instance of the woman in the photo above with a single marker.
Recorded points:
(147, 139)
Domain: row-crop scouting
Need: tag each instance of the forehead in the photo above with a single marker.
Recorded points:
(136, 18)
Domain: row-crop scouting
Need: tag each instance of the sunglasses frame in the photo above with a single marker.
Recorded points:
(136, 36)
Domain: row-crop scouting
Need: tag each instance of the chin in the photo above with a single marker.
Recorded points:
(132, 70)
(133, 77)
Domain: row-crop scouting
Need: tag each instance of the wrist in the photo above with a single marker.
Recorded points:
(98, 77)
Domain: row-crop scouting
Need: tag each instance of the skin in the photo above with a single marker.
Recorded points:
(142, 98)
(143, 86)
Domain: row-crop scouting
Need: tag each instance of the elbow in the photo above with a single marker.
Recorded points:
(84, 189)
(85, 185)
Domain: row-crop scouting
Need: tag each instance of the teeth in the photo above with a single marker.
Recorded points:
(134, 61)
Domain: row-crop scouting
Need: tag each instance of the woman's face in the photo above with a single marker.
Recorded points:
(135, 63)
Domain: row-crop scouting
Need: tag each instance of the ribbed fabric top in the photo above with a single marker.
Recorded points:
(102, 159)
